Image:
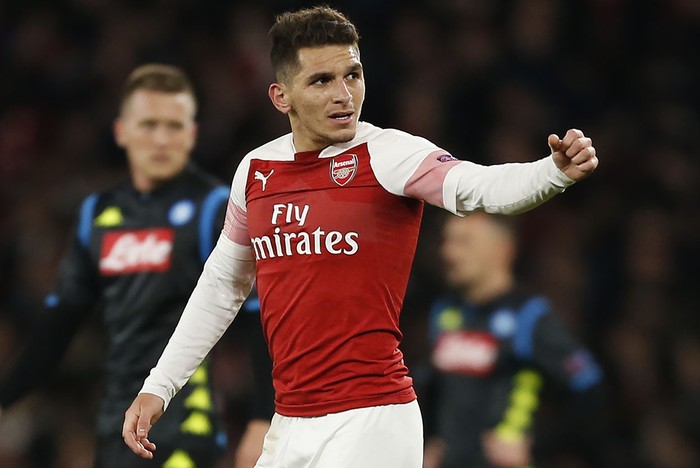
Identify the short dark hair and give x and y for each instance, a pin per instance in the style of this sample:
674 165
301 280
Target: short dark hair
309 27
157 77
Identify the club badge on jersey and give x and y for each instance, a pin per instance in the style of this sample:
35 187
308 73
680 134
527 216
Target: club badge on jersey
343 168
181 212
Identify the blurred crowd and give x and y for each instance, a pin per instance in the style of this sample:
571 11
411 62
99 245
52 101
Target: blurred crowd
488 80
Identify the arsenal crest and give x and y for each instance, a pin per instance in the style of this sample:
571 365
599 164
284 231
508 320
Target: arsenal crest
343 168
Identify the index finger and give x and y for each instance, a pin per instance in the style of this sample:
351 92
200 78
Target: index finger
571 136
129 435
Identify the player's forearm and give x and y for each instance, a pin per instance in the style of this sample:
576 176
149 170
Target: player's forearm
225 282
505 188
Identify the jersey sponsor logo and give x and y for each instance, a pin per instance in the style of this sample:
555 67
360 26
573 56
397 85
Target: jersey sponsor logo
125 252
110 217
343 169
181 212
283 243
263 178
466 352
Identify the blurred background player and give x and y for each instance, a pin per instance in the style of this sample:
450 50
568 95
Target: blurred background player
137 252
493 347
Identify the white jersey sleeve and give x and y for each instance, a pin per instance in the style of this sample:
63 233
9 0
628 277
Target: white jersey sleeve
412 166
397 156
504 188
239 183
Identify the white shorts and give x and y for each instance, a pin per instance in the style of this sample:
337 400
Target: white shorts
389 436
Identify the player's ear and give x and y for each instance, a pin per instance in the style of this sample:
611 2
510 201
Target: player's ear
278 96
194 132
118 131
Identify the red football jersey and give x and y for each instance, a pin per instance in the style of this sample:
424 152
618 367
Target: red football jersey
334 249
332 235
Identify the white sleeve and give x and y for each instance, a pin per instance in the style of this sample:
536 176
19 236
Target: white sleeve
225 282
503 188
238 184
395 156
407 165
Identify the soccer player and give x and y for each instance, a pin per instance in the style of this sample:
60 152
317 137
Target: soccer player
326 219
494 346
137 253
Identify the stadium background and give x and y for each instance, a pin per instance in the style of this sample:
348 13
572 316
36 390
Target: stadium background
488 80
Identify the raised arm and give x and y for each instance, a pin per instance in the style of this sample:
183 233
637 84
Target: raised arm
416 168
518 187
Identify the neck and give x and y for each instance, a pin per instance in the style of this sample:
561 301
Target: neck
302 145
142 186
145 184
490 289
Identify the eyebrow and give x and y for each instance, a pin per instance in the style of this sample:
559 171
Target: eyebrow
317 76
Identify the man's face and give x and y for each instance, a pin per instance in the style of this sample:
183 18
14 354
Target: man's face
325 96
157 131
473 250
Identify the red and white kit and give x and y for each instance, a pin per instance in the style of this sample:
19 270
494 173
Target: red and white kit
330 237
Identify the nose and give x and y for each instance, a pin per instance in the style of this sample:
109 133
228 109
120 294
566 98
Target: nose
342 92
161 135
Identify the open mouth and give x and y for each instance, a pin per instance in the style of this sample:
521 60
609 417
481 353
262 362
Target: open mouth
342 116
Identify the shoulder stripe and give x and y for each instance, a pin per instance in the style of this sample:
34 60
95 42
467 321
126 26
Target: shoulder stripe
206 220
528 317
87 214
428 181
